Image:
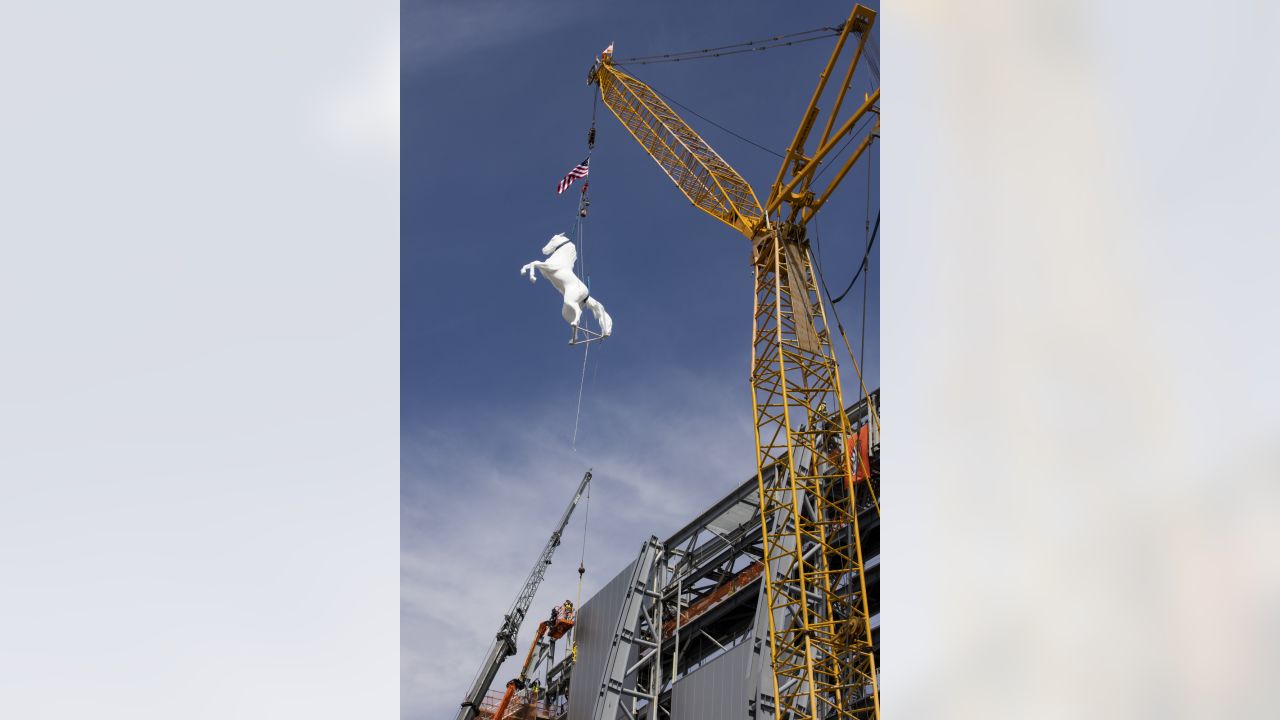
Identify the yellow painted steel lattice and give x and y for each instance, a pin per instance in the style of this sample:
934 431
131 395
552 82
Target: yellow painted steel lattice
702 175
819 618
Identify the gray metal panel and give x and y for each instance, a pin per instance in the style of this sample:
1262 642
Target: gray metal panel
593 630
718 690
735 517
761 664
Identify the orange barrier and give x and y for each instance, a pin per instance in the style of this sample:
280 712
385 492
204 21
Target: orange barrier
860 453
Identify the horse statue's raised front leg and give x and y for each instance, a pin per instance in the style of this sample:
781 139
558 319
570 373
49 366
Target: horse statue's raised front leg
531 269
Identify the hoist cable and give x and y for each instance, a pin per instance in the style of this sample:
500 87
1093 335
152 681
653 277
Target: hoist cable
857 369
862 347
582 261
866 285
746 46
586 350
853 135
871 408
583 202
582 570
732 52
873 56
862 265
582 559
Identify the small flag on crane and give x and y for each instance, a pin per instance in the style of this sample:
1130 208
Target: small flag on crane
580 171
607 51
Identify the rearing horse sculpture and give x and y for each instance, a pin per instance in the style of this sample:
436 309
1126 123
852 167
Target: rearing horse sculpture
558 268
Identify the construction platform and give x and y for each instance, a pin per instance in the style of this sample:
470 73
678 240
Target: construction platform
519 709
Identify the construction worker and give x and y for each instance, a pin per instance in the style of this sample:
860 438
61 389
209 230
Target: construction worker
555 614
568 610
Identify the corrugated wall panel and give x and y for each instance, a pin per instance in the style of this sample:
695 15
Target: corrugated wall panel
597 619
717 690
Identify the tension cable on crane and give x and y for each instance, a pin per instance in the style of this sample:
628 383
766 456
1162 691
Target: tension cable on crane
873 233
871 239
674 101
863 264
734 49
857 369
866 285
873 57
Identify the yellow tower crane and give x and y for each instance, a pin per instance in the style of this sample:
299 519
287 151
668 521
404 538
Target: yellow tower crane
819 621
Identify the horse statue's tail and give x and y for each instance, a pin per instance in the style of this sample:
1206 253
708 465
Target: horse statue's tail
602 317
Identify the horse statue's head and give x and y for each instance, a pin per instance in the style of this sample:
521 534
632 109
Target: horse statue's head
556 241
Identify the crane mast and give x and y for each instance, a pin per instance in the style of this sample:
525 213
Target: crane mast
504 644
824 664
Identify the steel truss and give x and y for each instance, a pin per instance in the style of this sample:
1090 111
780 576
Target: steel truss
819 619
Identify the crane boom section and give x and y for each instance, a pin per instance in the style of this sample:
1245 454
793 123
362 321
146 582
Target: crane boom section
504 644
701 174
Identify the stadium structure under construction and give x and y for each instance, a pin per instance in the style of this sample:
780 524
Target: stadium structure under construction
682 632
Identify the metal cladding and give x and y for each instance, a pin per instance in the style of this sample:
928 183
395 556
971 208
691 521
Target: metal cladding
718 690
593 632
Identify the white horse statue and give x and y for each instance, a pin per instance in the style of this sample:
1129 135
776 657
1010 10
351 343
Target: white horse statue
558 268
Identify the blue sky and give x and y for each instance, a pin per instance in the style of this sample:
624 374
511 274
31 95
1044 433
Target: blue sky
494 110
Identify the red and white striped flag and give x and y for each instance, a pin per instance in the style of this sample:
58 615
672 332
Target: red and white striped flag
580 171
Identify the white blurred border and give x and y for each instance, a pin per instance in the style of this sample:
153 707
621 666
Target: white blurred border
199 377
1082 440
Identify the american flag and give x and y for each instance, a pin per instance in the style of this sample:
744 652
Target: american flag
579 171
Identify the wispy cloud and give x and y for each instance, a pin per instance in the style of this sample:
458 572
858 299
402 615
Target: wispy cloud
437 32
480 498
